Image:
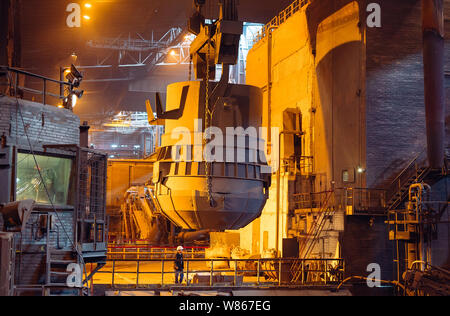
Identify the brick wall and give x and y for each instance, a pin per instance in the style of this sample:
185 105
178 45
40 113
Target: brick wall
44 124
30 262
396 130
64 221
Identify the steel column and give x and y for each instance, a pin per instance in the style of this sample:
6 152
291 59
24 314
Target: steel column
433 62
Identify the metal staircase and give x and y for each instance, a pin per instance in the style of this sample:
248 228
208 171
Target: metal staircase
57 262
313 236
402 187
417 171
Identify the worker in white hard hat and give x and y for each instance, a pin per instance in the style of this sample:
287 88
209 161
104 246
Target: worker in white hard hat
179 265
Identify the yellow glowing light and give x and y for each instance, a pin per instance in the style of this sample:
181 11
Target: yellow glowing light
117 124
172 53
86 17
67 71
88 5
60 106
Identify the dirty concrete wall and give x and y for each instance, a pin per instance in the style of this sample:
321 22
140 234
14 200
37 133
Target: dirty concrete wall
290 87
323 79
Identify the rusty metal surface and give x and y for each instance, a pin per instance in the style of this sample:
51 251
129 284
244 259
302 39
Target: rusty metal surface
16 214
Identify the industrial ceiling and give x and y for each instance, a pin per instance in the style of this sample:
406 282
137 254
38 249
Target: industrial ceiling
48 43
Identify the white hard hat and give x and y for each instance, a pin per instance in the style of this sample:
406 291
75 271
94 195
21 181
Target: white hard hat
180 248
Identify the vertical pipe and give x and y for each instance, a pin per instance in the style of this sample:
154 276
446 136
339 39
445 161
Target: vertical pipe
44 92
433 62
269 82
277 215
61 85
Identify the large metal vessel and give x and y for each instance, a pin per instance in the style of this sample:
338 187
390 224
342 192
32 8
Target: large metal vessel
211 171
222 193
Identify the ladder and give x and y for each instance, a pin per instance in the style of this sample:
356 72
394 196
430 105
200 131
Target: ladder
57 262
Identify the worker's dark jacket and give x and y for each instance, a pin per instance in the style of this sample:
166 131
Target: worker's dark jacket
179 263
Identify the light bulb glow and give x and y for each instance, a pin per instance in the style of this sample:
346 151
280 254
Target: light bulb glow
74 100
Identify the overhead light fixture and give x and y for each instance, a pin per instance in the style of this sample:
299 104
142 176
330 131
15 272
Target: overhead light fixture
78 93
86 17
74 76
88 5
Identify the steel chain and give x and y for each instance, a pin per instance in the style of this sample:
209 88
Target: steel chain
208 119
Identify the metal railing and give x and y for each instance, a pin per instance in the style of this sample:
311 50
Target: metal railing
284 15
303 165
13 87
312 200
233 272
356 200
413 171
364 200
144 252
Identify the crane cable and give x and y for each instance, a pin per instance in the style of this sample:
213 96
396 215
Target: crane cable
48 194
208 119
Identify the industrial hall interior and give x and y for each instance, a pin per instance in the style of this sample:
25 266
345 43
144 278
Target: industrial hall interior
224 148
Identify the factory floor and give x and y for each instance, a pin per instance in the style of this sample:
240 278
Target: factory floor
125 281
150 273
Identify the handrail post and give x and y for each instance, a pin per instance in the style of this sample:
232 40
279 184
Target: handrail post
137 274
187 272
162 272
279 272
235 272
258 271
211 273
303 272
113 273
